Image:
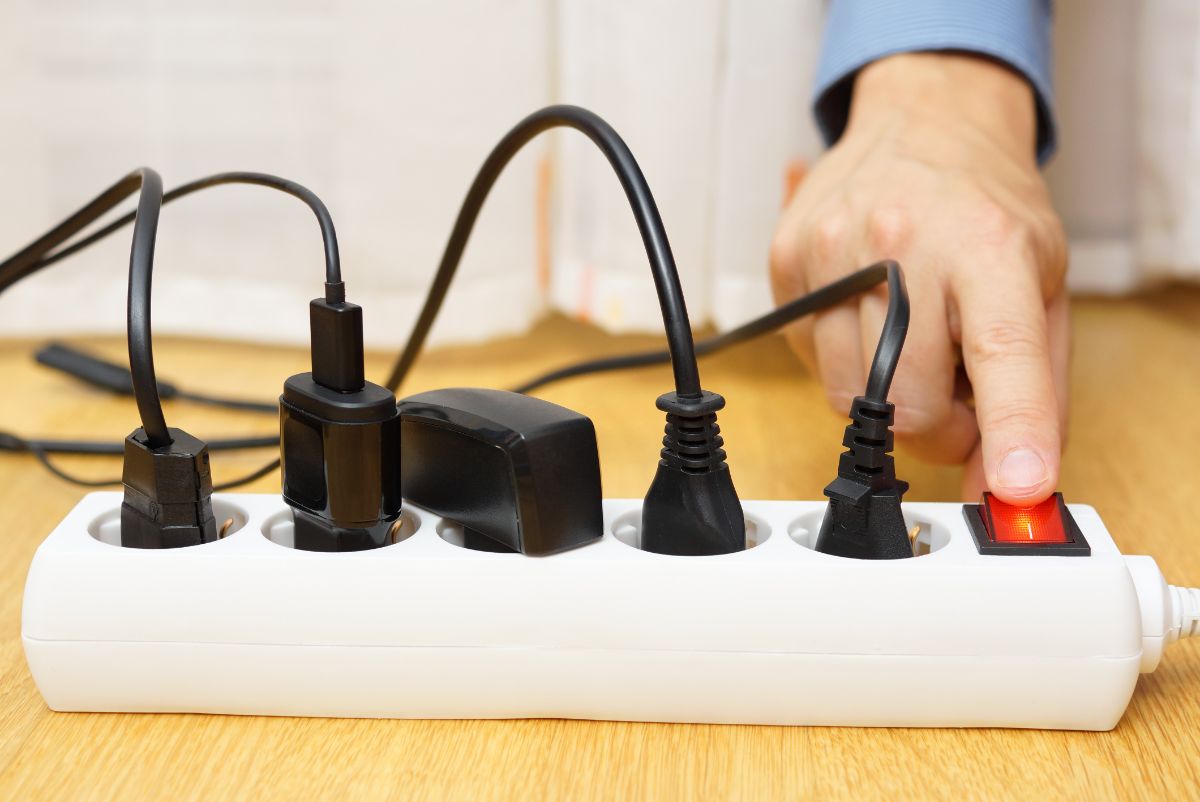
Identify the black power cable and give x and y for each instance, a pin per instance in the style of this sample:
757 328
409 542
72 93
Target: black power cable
682 351
826 297
141 340
41 254
822 298
891 338
148 185
86 366
645 212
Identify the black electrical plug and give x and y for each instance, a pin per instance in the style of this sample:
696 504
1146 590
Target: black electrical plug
168 493
863 519
339 439
691 507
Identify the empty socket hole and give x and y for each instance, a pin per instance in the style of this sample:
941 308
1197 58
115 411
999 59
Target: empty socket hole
927 538
627 528
106 527
456 534
280 528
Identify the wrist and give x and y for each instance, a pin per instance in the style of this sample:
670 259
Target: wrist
947 90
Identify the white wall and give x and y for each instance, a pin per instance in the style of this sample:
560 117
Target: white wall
387 108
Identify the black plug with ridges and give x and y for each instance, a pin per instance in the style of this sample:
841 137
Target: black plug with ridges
692 507
864 519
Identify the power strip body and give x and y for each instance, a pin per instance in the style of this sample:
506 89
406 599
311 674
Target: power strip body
423 628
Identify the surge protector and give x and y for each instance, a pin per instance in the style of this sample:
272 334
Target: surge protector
424 628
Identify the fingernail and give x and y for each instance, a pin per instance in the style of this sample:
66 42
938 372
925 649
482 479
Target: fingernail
1021 469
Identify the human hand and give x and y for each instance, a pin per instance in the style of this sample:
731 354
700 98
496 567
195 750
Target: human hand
936 169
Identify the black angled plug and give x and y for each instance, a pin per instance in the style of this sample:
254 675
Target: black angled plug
168 493
864 519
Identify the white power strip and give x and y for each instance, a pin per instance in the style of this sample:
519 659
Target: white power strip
777 634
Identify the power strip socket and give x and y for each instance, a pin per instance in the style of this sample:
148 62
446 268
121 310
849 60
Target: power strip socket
424 628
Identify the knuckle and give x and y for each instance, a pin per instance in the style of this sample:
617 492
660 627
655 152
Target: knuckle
1054 244
994 226
1005 340
785 261
888 229
828 237
1016 415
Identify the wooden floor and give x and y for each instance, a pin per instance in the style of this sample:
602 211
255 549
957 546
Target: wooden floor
1134 455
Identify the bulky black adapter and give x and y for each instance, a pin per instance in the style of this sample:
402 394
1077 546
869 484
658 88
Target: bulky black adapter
168 493
692 507
339 439
519 473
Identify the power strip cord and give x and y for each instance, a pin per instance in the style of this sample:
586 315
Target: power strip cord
1185 612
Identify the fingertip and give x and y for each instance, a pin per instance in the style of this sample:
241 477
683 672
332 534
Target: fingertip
1023 476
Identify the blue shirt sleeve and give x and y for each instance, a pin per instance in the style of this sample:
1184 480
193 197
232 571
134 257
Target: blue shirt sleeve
857 32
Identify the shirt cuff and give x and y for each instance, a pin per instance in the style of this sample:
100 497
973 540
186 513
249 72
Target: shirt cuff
858 32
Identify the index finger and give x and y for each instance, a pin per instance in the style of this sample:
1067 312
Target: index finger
1006 352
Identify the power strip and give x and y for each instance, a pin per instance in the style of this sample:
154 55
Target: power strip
424 628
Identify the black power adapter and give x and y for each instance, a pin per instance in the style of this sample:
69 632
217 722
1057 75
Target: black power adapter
518 473
339 439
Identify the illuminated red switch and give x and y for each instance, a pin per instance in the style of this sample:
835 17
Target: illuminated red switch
1045 528
1006 523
